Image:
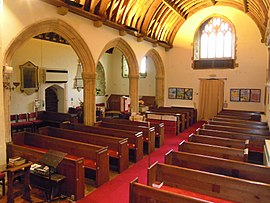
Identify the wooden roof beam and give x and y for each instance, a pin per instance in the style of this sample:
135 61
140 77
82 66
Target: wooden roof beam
167 3
245 3
214 2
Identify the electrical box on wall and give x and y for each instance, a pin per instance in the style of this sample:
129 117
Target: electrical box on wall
56 76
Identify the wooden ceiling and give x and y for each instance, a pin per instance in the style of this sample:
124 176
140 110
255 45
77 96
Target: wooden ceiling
156 21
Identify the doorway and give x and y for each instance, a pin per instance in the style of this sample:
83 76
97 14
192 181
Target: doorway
51 99
211 98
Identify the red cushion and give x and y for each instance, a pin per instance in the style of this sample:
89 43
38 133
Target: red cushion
90 164
113 153
37 121
2 175
131 146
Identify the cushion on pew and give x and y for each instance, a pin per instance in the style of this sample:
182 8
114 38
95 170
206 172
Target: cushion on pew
194 194
113 153
131 146
90 164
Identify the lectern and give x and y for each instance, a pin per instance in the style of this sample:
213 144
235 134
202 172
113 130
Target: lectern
52 159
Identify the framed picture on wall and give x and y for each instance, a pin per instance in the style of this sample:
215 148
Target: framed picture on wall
188 93
244 95
235 95
180 93
255 95
172 93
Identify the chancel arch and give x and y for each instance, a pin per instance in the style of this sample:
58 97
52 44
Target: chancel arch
81 49
133 67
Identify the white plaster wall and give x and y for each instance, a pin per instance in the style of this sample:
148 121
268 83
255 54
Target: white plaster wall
147 85
251 56
46 55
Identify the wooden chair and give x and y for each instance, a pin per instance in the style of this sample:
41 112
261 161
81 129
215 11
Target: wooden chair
23 122
32 117
2 182
13 120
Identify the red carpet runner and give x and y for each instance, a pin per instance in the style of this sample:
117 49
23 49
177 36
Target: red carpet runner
117 189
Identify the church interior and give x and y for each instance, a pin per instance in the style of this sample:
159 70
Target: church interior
134 101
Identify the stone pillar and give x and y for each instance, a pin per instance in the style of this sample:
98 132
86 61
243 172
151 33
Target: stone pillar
160 90
133 93
89 104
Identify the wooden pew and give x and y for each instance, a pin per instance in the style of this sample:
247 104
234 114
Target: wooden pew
237 169
243 116
117 147
71 167
139 193
251 123
188 116
96 159
181 119
213 150
213 185
191 110
54 118
254 115
148 133
159 128
240 125
256 142
237 129
135 139
225 142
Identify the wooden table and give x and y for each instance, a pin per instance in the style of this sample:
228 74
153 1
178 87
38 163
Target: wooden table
15 172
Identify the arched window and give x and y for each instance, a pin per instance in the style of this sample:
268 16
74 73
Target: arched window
214 44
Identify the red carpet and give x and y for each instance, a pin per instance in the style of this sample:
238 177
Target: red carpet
117 189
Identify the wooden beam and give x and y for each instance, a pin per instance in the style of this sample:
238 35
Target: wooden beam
214 2
167 3
245 4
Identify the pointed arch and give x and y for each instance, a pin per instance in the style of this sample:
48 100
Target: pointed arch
79 46
133 66
160 73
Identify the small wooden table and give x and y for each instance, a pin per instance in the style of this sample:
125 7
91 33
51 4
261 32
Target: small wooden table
15 172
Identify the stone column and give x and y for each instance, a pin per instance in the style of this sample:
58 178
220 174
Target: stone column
133 93
89 104
160 90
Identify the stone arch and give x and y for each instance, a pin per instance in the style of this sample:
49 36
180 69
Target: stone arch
125 48
160 73
79 46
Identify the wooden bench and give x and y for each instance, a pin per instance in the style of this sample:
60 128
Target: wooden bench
188 117
237 169
191 110
96 159
54 119
213 185
219 141
71 167
212 150
172 122
159 128
239 115
181 121
135 139
256 142
117 147
139 193
237 129
251 123
240 125
148 133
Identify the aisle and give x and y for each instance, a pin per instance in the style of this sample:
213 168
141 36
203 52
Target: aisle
117 189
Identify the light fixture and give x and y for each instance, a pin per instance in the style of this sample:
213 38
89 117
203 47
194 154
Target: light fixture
78 81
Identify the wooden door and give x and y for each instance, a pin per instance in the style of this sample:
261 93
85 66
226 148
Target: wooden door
51 99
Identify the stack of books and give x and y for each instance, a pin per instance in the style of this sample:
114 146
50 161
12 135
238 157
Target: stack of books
16 161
